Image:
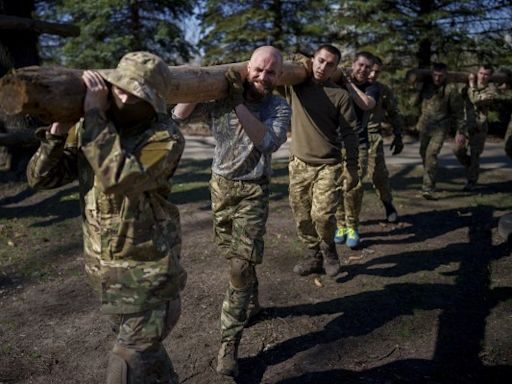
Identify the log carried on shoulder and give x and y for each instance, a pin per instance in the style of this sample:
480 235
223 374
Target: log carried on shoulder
56 93
420 75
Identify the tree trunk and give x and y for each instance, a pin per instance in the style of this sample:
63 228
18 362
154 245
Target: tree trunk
56 94
420 75
13 23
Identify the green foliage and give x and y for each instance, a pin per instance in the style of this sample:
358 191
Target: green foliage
233 29
414 33
111 28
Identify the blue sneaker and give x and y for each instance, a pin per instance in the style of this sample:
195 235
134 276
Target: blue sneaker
352 238
341 235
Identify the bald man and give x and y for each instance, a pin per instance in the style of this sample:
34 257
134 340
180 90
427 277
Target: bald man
248 126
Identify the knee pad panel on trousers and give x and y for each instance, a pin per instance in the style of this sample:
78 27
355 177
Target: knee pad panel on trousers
241 273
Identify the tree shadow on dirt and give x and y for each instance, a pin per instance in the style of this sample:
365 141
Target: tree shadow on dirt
461 327
55 208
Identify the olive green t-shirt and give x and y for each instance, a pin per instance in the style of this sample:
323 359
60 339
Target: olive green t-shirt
322 119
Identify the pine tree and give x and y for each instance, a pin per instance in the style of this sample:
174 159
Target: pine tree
417 32
111 28
233 29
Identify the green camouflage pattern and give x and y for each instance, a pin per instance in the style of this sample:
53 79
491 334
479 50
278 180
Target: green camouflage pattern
138 341
131 230
386 107
431 142
240 212
144 75
233 317
477 103
377 170
314 193
441 108
350 204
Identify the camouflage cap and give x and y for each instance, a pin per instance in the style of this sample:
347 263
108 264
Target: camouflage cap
144 75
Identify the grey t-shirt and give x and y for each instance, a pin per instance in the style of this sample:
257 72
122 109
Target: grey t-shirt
236 157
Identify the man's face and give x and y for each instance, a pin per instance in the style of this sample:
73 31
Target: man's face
125 97
263 72
374 73
361 69
324 65
438 77
483 76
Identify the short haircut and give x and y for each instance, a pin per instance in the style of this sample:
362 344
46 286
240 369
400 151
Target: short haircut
488 67
439 67
367 55
377 60
331 49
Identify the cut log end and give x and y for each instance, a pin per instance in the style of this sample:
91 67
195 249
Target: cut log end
13 95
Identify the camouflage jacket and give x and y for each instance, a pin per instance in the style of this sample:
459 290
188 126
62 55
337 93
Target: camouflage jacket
441 107
386 106
131 230
236 157
478 101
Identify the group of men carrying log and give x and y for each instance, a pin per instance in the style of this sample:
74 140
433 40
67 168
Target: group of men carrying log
126 148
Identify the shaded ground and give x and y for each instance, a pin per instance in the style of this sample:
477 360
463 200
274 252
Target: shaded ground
427 300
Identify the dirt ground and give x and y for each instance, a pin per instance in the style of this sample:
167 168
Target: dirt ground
426 300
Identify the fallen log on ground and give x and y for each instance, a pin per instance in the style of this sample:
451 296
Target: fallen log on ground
420 75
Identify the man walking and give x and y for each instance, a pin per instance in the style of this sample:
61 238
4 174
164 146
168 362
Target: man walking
323 118
365 96
479 95
387 106
441 105
123 153
248 126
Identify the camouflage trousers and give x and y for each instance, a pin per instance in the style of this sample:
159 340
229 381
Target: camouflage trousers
377 169
240 212
469 154
349 208
314 193
431 141
508 140
139 343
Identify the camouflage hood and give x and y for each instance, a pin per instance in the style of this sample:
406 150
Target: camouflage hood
144 75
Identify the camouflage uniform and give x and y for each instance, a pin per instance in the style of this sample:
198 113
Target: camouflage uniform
349 209
131 230
239 188
477 101
377 170
323 119
439 107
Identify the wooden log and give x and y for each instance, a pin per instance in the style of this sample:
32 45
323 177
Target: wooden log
56 93
421 75
38 26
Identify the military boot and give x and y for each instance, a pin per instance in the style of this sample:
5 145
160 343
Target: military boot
331 261
312 263
227 360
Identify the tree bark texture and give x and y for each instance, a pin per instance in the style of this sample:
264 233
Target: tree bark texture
56 94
